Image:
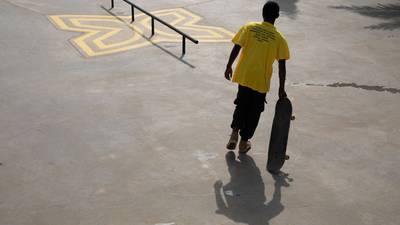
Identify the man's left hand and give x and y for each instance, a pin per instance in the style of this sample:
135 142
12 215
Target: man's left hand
228 73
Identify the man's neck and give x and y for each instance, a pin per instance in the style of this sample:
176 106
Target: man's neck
270 21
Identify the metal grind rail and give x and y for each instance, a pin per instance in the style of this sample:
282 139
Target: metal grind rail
153 19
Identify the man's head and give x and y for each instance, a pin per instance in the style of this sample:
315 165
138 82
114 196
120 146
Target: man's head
270 11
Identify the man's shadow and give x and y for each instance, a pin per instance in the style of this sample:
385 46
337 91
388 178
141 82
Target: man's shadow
243 199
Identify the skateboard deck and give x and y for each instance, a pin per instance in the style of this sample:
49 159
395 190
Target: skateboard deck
279 135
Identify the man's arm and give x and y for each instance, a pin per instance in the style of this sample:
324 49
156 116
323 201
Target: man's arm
232 58
282 78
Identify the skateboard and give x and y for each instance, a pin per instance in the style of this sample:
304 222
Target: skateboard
279 135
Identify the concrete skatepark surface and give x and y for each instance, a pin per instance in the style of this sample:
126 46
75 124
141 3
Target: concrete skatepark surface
137 135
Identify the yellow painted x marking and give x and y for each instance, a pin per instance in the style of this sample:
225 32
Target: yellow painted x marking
104 35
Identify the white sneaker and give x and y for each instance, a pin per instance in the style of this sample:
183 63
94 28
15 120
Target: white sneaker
233 140
244 146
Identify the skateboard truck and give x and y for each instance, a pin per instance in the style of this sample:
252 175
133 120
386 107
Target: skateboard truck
287 157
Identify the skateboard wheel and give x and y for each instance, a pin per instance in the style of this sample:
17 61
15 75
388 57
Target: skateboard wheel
292 118
287 157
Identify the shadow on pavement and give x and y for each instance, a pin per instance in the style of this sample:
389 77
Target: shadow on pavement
388 12
243 199
289 8
353 85
366 87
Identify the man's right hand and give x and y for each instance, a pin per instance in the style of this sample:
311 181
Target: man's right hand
282 93
228 73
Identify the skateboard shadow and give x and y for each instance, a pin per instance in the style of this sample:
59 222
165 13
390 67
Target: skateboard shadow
243 199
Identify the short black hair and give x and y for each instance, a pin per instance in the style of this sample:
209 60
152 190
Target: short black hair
271 10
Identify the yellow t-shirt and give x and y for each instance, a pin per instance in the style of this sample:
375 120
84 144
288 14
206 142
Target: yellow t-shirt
261 44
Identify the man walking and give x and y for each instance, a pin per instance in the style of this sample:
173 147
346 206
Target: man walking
261 44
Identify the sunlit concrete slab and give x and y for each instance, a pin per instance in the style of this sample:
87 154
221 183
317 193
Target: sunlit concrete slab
102 123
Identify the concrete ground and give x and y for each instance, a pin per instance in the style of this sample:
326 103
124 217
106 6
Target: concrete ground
106 131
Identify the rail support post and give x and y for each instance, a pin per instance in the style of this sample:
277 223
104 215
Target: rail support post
112 4
183 45
133 13
152 26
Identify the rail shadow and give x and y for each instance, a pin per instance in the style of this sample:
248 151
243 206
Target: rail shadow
389 12
243 199
179 58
